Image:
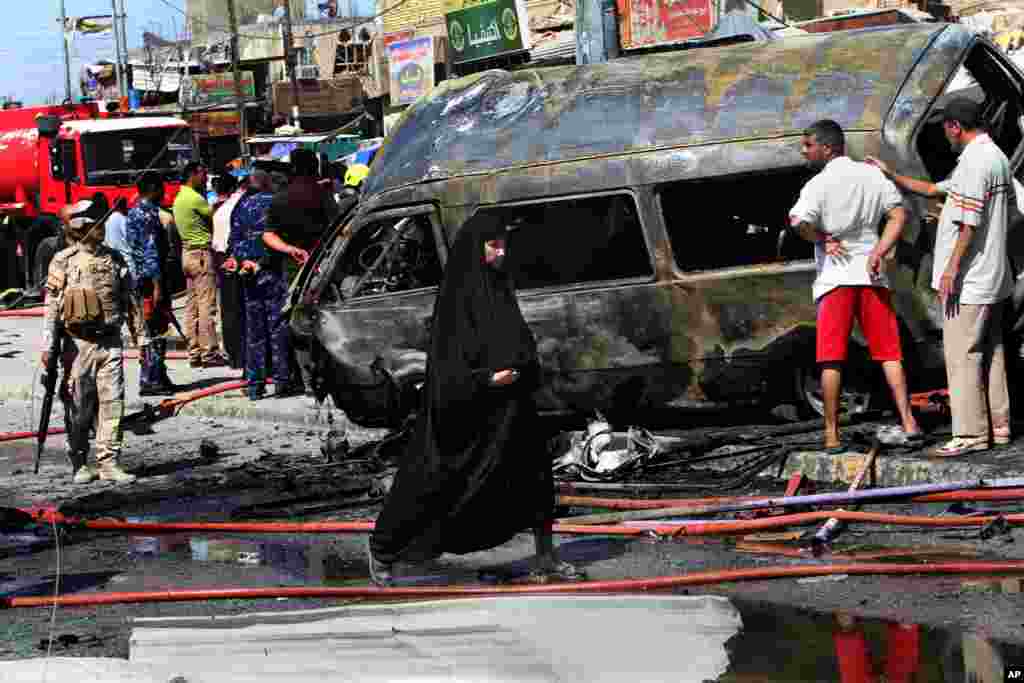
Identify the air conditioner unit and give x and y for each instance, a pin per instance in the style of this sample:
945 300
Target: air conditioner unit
308 72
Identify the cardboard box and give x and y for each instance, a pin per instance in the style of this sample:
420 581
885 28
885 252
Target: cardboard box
319 97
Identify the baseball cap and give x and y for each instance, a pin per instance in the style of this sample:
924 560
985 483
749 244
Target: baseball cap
962 109
86 213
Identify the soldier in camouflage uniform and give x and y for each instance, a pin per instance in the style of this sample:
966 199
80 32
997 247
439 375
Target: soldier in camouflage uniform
87 292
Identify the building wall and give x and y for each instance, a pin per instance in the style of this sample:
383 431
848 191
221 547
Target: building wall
426 17
204 14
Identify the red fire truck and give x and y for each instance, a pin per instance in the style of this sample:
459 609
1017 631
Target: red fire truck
55 155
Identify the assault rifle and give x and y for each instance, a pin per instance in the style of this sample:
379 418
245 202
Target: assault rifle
49 380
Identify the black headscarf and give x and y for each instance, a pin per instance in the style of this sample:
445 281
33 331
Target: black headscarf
478 328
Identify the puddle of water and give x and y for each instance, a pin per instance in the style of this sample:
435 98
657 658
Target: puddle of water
783 644
307 561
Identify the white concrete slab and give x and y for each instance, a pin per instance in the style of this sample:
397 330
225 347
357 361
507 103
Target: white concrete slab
79 670
592 639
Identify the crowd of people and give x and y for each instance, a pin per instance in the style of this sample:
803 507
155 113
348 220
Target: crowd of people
118 268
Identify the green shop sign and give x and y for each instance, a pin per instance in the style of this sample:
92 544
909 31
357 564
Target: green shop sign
484 28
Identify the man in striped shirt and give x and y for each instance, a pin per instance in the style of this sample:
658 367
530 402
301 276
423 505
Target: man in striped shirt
971 272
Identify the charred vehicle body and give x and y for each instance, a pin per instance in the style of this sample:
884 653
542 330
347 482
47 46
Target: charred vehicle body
647 200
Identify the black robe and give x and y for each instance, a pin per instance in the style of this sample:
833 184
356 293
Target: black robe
475 472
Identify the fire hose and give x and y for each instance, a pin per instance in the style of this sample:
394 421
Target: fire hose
150 413
35 312
667 528
974 495
704 578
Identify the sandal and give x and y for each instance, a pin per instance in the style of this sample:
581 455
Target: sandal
1001 436
960 445
380 572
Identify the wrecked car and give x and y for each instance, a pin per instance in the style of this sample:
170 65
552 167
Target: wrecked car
649 198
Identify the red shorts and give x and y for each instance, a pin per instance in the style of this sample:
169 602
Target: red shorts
872 308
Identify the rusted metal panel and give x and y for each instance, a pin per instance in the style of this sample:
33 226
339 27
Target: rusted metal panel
683 338
495 119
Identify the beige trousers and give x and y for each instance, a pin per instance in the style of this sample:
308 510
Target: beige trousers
972 338
201 308
97 388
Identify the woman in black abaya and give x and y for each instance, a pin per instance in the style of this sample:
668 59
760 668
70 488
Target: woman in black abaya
475 472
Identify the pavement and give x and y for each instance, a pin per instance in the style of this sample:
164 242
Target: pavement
21 345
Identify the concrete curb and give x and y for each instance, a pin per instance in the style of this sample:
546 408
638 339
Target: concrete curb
295 410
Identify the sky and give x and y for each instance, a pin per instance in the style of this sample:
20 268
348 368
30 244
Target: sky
32 48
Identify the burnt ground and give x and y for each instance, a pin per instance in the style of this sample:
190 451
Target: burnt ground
266 471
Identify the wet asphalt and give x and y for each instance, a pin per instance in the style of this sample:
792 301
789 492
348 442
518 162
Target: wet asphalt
800 614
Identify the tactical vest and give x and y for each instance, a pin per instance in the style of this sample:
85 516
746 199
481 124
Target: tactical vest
92 303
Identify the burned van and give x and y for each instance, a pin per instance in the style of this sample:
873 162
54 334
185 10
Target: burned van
649 200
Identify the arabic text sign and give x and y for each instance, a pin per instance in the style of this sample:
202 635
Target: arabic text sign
411 63
484 28
215 88
651 22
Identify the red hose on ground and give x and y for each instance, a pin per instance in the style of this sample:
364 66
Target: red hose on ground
710 528
17 436
617 586
35 312
654 504
165 408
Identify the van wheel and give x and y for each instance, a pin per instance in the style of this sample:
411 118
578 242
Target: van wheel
854 398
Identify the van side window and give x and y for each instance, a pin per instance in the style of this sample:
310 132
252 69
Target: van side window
984 79
572 241
390 255
734 221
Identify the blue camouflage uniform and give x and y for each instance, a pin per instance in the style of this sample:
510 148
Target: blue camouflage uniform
265 295
144 235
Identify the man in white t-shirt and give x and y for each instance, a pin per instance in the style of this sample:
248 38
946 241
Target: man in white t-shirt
971 273
840 210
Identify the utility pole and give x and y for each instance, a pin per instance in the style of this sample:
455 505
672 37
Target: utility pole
239 102
64 47
122 91
289 60
124 33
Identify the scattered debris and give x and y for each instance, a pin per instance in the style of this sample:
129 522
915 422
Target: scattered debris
830 578
997 527
208 450
600 454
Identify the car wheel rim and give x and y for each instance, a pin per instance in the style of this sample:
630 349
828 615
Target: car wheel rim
852 400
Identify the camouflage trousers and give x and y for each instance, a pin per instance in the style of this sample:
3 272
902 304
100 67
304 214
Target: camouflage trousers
266 329
96 385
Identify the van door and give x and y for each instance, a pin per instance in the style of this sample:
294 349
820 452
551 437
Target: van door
585 280
988 77
741 309
374 313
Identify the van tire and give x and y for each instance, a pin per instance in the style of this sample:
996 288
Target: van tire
811 403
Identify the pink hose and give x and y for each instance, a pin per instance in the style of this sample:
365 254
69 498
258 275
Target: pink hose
618 586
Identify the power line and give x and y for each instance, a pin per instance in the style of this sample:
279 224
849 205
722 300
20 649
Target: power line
226 29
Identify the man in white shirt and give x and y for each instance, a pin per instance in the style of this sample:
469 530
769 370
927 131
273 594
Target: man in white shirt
972 275
116 237
840 210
